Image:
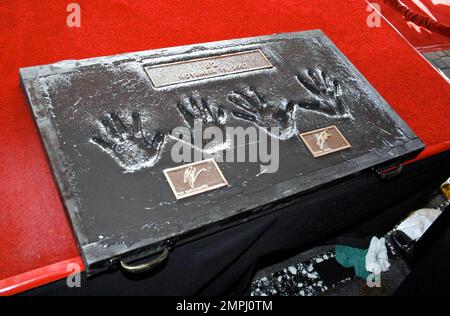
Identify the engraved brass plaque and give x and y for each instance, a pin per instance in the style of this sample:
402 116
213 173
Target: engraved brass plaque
324 141
195 178
204 68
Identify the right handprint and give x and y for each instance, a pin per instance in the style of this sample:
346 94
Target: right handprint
325 93
253 108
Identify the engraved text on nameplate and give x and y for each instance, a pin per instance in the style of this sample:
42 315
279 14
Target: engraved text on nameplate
209 67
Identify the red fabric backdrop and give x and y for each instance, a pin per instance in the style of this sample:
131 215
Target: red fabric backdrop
34 229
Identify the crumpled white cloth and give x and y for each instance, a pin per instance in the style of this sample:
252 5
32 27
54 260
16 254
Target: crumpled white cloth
377 260
418 222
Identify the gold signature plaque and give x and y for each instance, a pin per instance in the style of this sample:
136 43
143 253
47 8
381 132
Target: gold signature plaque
195 178
324 141
209 67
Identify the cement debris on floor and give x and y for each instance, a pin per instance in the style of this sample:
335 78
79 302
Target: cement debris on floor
316 272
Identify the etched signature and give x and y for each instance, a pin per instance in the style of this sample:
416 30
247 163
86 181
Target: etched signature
321 139
191 175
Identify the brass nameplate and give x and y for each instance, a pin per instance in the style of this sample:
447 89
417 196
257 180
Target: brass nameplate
324 141
195 178
204 68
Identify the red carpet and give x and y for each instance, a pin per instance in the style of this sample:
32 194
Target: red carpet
34 229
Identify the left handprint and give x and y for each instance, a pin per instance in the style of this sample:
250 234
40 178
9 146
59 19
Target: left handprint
129 144
200 115
197 108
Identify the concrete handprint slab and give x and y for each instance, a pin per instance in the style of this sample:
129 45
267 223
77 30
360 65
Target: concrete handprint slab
107 126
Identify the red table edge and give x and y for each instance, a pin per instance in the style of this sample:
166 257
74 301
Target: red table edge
34 278
431 151
59 270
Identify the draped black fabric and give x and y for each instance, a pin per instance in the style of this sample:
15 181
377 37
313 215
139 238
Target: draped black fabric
223 263
431 275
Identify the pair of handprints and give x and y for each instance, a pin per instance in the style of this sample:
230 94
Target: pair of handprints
324 97
131 145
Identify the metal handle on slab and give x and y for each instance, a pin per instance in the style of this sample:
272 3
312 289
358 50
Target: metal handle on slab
139 268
